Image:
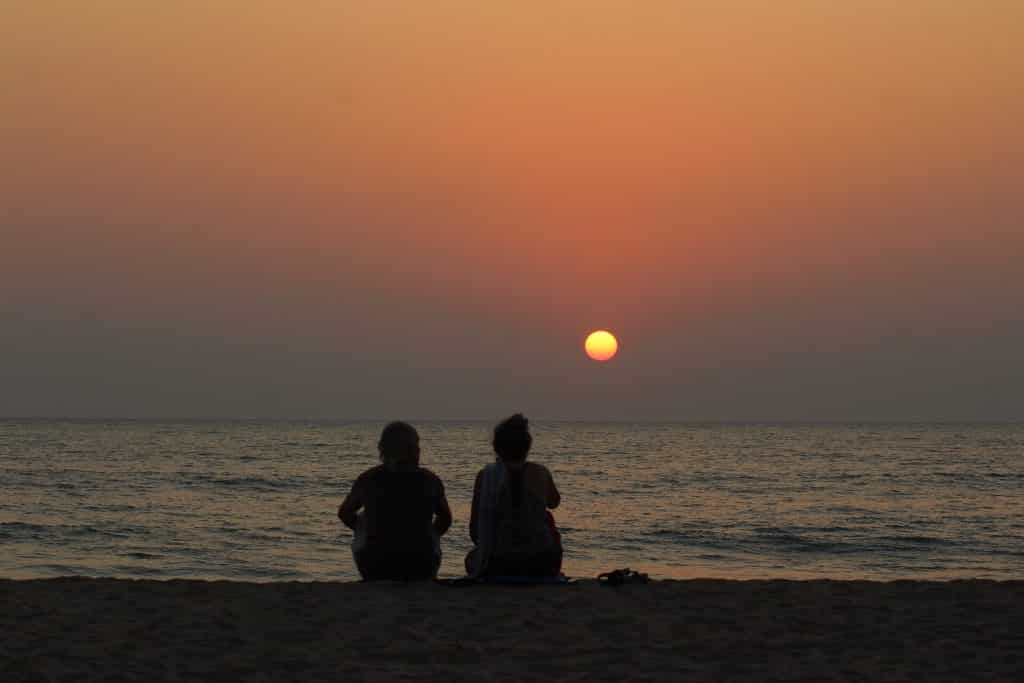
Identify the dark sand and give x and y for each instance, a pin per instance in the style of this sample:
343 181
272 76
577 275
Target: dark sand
81 629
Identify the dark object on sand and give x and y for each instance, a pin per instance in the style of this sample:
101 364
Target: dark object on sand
619 577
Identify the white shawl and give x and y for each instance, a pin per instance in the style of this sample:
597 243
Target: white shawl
491 481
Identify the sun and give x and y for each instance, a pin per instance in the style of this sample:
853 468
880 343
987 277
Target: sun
601 345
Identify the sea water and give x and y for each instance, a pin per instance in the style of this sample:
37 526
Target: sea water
257 500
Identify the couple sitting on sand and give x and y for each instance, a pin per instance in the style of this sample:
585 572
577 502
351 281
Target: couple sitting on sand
405 512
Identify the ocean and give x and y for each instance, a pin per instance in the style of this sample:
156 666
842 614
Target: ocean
257 500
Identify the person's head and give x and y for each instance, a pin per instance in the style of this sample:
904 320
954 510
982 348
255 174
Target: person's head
399 445
512 439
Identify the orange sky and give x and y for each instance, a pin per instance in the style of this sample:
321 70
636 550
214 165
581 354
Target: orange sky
322 177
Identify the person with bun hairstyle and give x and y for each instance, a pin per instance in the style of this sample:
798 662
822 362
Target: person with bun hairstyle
514 533
405 512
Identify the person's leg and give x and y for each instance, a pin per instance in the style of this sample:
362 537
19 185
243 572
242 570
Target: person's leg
369 565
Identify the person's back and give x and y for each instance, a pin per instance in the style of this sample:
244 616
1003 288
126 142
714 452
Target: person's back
524 540
399 508
514 532
404 512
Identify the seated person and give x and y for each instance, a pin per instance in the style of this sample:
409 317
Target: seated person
405 512
514 533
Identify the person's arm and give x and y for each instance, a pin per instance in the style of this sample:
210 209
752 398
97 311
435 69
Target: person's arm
348 511
474 511
553 497
443 513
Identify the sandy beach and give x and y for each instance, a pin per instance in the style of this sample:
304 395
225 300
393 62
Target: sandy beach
702 630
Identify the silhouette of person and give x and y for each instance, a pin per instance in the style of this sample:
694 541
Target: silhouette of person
405 512
514 533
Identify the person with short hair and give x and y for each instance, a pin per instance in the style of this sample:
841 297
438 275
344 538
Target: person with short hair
404 512
514 533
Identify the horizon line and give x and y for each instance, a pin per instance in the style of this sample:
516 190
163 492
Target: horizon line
708 420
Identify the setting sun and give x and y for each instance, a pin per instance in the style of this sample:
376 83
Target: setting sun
601 345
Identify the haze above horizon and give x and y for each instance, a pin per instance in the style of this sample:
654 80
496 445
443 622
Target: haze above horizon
799 212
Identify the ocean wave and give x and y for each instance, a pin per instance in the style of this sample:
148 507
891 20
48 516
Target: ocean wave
61 569
23 531
902 541
50 533
826 539
135 570
106 531
139 555
255 483
233 484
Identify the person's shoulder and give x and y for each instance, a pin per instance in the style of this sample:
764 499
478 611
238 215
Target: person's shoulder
485 471
429 474
371 473
432 480
538 467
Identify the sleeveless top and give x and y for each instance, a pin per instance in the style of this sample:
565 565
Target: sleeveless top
400 506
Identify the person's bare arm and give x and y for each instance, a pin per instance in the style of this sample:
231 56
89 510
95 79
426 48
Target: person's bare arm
443 513
474 511
348 511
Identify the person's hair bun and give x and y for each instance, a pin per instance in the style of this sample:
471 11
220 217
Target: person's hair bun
518 422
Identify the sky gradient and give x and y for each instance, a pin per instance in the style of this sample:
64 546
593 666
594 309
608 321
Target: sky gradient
796 210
